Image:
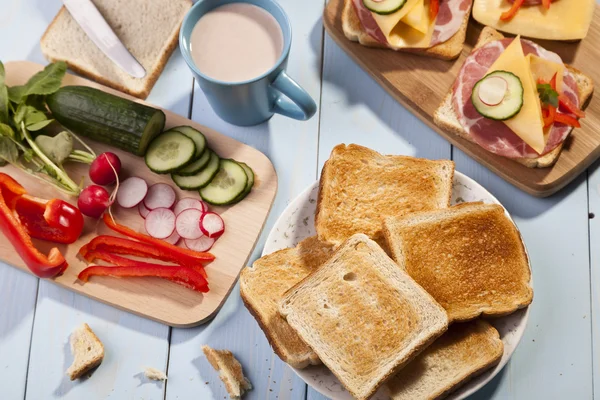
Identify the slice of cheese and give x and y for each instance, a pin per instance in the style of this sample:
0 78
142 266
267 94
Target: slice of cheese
401 35
416 17
528 123
545 70
565 20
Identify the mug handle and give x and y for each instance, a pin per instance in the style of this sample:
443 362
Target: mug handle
301 106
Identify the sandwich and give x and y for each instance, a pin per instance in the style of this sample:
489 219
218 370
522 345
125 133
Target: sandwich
435 28
359 186
263 286
515 99
541 19
469 257
363 316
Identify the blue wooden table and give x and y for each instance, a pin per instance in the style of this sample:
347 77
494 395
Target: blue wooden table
557 358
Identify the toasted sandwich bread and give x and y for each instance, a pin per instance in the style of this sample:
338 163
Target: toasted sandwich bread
263 286
470 258
463 352
448 50
363 316
230 371
87 350
445 117
359 187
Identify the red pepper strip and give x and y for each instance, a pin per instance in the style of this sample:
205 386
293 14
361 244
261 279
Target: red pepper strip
161 244
546 4
434 8
567 120
183 276
41 265
568 104
507 15
549 115
53 220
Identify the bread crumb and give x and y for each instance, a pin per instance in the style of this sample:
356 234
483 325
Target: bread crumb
154 374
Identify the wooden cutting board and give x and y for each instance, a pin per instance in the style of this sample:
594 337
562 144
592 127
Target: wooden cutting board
154 298
420 83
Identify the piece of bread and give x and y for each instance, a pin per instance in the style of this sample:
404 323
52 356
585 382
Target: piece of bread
87 350
148 28
470 258
445 117
230 371
363 316
359 187
263 286
154 374
448 50
463 352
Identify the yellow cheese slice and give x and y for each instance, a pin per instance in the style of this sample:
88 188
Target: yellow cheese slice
528 123
545 70
416 17
401 35
565 20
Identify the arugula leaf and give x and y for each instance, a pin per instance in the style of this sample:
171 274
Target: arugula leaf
3 97
547 95
44 82
39 125
56 148
6 130
8 151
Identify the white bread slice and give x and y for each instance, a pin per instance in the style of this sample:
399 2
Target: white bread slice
470 258
446 118
447 50
463 352
230 371
87 350
148 28
363 316
263 286
359 187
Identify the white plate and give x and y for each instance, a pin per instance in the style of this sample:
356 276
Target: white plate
297 223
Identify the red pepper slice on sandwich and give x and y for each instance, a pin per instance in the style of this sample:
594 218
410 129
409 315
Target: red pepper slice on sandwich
512 11
434 8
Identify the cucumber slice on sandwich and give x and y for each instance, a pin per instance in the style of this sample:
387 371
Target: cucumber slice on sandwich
384 7
498 95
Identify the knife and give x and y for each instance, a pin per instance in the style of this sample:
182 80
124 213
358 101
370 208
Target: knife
95 26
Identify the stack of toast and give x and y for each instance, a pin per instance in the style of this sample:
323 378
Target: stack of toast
394 289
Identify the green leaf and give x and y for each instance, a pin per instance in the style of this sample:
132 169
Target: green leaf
8 150
44 82
547 95
3 97
6 130
56 148
29 114
39 125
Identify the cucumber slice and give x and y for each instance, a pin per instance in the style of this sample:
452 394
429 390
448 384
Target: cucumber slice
489 101
195 135
384 7
249 184
200 179
227 185
169 152
196 166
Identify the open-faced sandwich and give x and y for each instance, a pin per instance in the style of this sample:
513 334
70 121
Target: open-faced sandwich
515 99
435 28
541 19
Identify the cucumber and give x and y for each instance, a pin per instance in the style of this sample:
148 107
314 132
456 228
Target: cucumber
202 178
504 94
229 182
384 7
195 135
249 184
169 152
106 118
196 166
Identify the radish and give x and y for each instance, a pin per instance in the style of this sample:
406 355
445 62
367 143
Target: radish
131 192
173 239
212 225
143 210
187 224
189 202
105 169
160 223
93 201
160 195
204 243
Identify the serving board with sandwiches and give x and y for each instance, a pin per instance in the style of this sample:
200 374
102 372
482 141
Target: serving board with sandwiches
392 278
520 106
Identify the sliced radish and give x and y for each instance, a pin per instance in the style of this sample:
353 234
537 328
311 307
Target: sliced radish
173 239
143 210
187 203
492 90
203 243
212 225
131 192
160 195
187 224
160 223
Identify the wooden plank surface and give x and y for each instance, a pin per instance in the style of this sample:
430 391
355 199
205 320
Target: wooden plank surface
420 84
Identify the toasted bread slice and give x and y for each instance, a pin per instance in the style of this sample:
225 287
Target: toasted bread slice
263 286
448 50
87 350
359 187
230 371
445 117
470 258
463 352
363 316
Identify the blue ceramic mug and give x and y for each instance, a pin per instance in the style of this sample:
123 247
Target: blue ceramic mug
255 100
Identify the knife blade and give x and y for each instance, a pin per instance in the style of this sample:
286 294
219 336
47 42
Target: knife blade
85 13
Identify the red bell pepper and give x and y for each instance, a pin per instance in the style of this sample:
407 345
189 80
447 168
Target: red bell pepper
568 104
548 113
183 276
546 4
434 8
567 120
507 15
53 220
41 265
